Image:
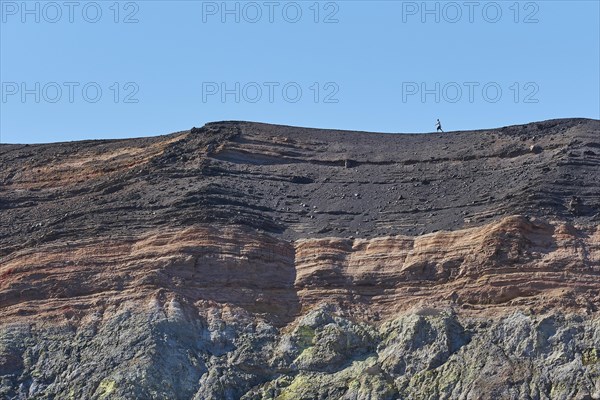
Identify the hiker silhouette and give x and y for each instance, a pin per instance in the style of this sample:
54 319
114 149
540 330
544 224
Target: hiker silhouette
438 126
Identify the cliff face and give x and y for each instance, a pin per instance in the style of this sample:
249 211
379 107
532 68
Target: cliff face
245 260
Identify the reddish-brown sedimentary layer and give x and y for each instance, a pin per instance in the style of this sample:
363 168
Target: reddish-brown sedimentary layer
513 262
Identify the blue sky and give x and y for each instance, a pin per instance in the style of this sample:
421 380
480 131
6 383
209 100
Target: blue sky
108 69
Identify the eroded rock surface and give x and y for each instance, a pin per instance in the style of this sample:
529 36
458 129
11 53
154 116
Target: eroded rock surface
252 261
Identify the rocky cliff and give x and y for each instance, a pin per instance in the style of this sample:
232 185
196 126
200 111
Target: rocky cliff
251 261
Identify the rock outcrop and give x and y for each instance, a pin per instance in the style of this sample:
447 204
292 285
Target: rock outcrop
252 261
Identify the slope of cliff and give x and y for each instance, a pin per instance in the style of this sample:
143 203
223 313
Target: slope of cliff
246 260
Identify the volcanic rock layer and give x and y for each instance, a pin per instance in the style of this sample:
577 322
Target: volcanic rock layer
254 261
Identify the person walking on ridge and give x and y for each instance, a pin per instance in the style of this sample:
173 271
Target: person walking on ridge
438 126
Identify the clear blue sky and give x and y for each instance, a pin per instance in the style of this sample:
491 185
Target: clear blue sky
166 69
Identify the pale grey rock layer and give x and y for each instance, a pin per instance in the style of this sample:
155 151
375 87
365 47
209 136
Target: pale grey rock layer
174 351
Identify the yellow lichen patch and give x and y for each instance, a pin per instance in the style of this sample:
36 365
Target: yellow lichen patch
295 389
106 387
590 356
305 336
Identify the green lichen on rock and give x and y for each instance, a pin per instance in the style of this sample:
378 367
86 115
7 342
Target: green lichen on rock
360 380
590 356
106 388
322 355
304 336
